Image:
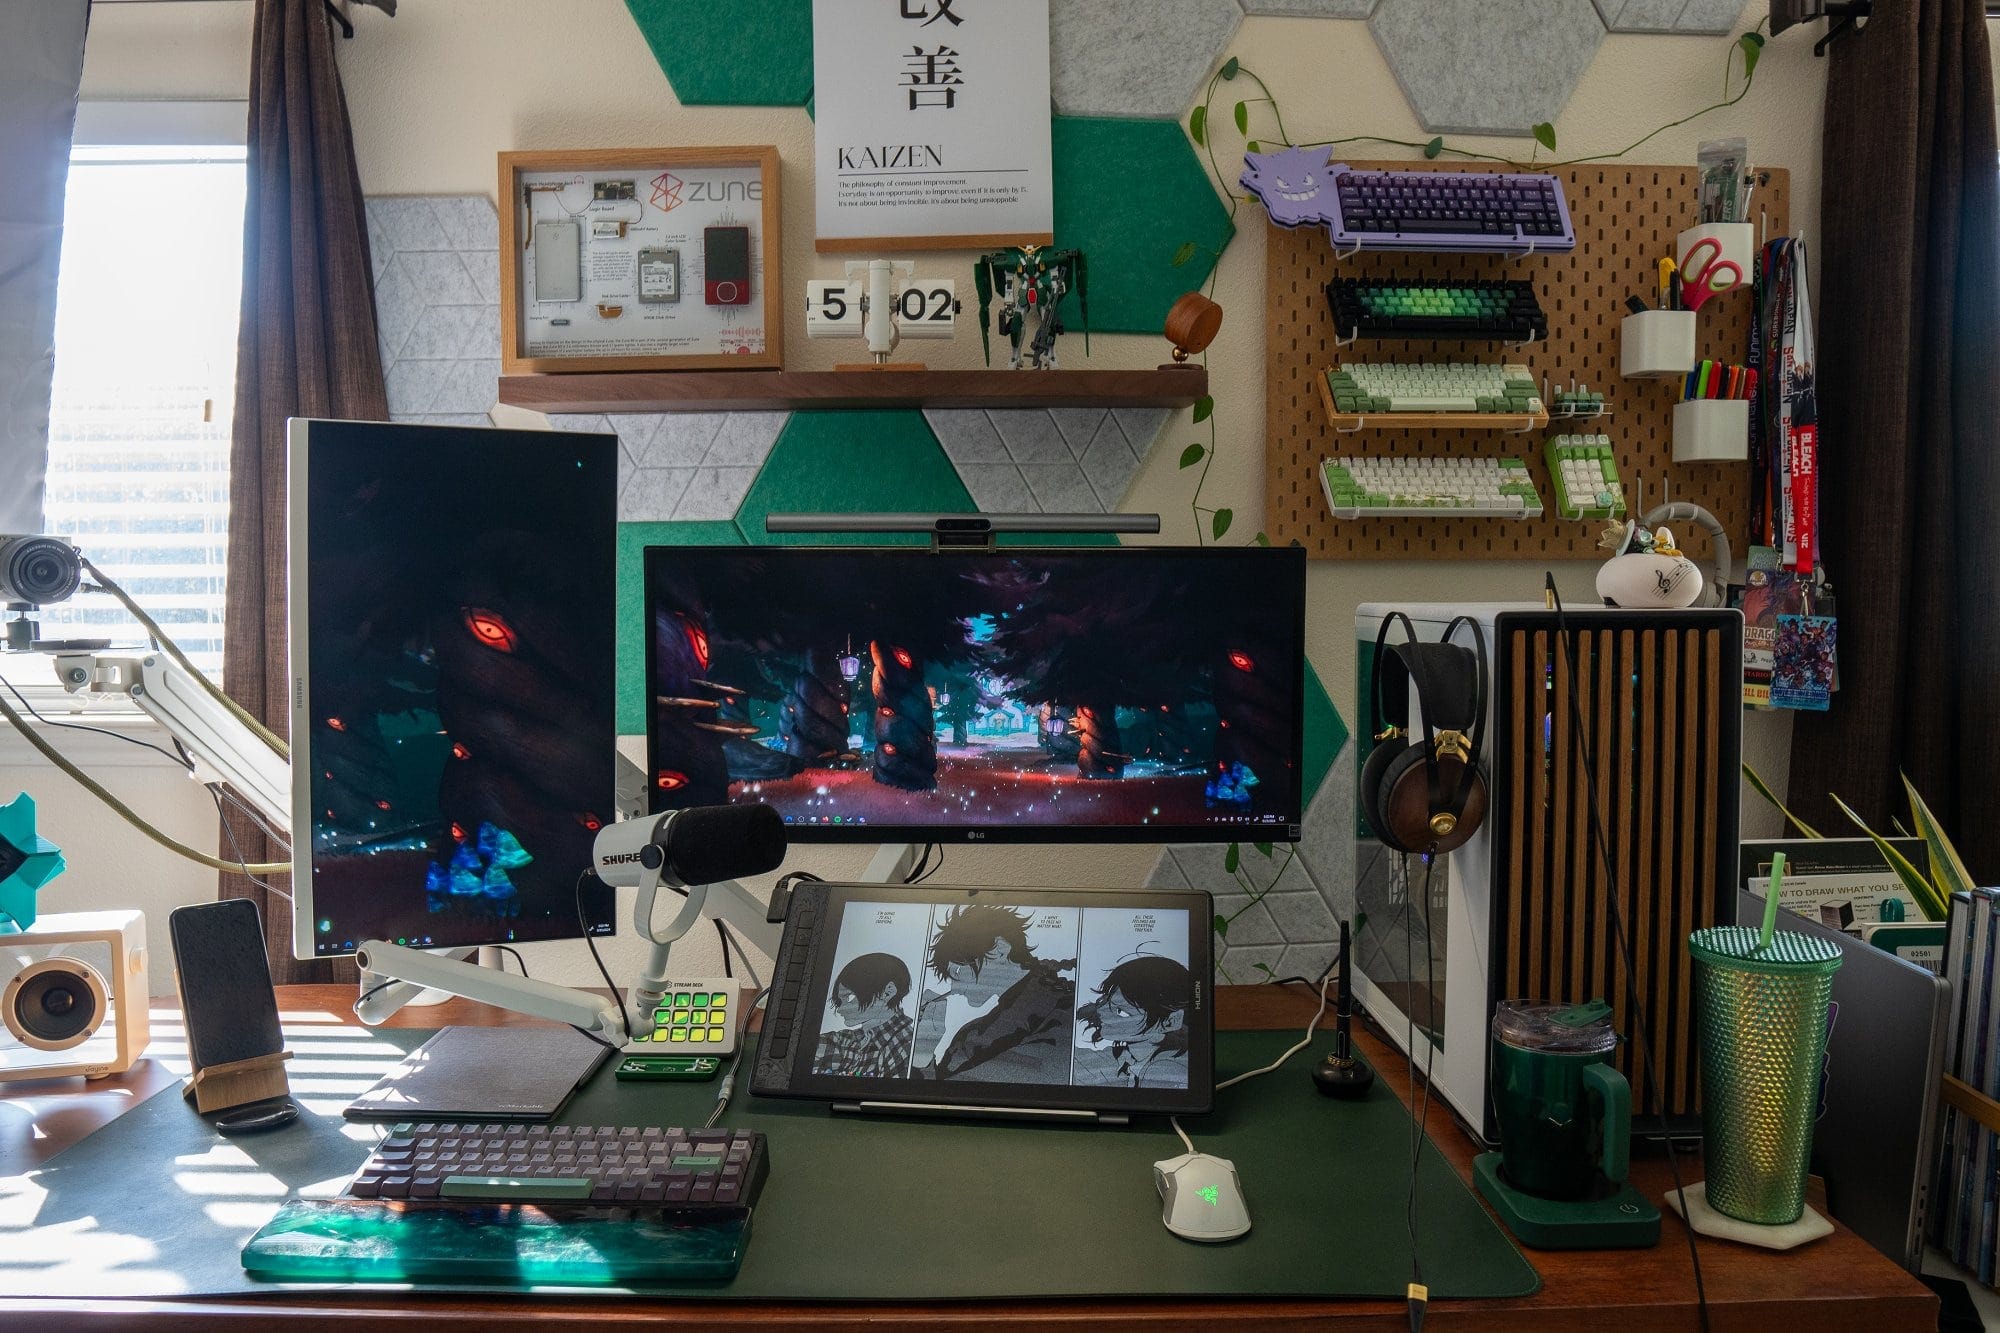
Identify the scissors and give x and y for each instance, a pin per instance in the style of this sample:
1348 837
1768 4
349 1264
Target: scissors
1706 277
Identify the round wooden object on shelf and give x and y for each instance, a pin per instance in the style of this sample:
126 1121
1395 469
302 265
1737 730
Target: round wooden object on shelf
1192 324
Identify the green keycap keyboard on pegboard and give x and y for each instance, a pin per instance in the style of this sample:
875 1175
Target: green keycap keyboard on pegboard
1408 487
694 1018
1362 388
1585 476
1397 308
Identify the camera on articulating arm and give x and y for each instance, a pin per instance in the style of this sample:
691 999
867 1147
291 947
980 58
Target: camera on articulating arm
35 571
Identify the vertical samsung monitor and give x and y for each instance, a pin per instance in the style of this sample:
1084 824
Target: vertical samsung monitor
451 623
1029 694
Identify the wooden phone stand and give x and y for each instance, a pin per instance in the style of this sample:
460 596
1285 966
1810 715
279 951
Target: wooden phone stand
238 1083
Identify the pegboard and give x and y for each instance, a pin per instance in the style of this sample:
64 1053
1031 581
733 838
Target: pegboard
1626 219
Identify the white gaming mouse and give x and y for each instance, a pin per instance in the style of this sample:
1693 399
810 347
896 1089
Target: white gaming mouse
1202 1198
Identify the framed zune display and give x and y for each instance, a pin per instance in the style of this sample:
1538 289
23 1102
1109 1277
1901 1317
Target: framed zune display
639 259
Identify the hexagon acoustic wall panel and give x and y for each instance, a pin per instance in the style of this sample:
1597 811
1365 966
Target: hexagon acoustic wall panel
1473 67
689 465
1708 17
1129 194
731 52
1073 460
1284 909
1134 57
437 305
1323 9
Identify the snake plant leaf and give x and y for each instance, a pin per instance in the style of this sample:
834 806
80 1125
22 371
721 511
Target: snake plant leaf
1763 789
1946 867
1921 889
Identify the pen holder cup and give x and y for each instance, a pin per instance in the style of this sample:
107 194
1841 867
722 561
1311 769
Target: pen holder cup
1712 430
1656 344
1737 239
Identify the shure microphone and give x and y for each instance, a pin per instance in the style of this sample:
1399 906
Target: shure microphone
703 845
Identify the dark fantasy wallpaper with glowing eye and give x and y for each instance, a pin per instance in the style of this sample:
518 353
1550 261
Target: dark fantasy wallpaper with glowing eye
460 675
1013 695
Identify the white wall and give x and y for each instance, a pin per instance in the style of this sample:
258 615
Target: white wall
437 91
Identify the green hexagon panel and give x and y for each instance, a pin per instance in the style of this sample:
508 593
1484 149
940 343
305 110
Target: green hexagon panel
1326 735
731 52
1129 194
849 463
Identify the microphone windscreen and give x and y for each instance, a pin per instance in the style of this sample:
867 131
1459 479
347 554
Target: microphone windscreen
712 843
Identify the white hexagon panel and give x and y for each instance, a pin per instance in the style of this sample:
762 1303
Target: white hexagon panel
1032 460
1713 18
1134 57
1477 67
437 305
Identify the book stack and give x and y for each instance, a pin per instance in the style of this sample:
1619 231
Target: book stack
1967 1197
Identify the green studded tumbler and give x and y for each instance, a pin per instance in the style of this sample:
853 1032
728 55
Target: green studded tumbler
1761 1018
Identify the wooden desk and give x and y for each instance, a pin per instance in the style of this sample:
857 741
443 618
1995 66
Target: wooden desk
1839 1283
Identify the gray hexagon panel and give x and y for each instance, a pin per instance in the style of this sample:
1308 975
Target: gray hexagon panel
1283 910
1321 9
1476 67
437 305
684 466
1702 17
1134 57
1065 460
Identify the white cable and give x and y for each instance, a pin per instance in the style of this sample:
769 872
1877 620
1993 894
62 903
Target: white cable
1296 1047
1301 1044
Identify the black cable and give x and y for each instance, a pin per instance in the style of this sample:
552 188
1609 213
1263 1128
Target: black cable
235 847
101 731
722 934
1645 1047
624 1018
519 961
1419 1294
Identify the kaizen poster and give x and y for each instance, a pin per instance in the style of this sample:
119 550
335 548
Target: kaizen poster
931 124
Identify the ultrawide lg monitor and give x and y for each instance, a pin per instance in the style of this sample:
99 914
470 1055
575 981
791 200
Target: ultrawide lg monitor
1030 694
452 626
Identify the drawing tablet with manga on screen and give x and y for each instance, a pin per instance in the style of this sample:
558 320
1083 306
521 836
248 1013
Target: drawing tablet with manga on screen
1027 999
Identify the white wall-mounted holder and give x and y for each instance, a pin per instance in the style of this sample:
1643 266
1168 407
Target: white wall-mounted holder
1712 430
1656 344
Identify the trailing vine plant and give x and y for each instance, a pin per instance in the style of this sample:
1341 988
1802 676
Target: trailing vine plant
1212 523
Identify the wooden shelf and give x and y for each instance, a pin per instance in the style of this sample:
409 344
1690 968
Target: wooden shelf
777 390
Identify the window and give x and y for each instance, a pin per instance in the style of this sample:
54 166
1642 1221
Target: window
145 368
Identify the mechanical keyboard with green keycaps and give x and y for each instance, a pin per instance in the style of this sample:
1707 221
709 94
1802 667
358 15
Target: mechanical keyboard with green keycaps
1429 487
1415 390
449 1162
1412 308
1585 476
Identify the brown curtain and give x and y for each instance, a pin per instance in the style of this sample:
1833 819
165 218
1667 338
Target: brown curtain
306 348
1909 408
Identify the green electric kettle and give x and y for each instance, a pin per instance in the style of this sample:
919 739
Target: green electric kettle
1565 1118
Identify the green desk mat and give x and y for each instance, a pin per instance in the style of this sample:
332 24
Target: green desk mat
856 1208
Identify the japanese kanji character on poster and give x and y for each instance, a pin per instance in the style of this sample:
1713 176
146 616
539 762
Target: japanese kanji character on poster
931 124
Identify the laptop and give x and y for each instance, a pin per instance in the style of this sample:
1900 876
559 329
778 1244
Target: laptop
1877 1129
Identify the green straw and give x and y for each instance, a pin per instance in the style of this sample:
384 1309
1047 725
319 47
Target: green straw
1771 902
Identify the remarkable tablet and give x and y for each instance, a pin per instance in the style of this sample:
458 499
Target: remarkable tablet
993 999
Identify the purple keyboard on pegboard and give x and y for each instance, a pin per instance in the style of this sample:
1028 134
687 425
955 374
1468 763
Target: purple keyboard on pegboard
1448 211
